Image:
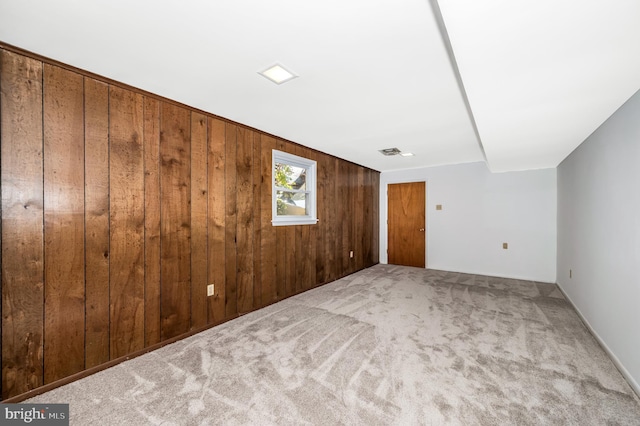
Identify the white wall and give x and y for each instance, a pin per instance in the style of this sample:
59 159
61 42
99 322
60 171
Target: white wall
480 211
599 234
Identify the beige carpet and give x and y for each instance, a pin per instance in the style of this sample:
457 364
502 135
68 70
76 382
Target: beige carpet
387 345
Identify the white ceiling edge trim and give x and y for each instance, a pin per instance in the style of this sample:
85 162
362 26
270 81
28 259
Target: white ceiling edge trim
437 14
542 75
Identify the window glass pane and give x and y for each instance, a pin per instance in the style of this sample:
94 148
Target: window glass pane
290 177
291 203
294 190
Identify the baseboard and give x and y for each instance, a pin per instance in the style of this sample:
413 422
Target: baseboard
625 373
93 370
112 363
492 274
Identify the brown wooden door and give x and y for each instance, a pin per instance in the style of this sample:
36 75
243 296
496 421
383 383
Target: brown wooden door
406 224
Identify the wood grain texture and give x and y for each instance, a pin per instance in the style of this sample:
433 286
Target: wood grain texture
96 213
406 238
324 203
299 261
257 229
281 262
22 217
244 230
126 200
63 223
291 248
216 219
268 240
175 220
310 235
282 288
292 285
199 201
331 239
367 221
301 244
375 208
356 213
152 276
359 216
231 302
342 220
320 236
174 199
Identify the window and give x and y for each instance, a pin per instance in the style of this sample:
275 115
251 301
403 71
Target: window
294 190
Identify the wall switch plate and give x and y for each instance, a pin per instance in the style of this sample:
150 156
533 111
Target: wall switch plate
505 245
210 290
438 206
351 254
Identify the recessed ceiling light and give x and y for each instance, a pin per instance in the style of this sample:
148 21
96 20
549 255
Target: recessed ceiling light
406 154
278 74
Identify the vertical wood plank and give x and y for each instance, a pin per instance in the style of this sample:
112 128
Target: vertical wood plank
302 238
309 234
332 201
22 217
244 231
367 228
268 240
375 211
96 211
300 284
343 219
126 200
359 215
63 223
291 285
353 216
282 287
151 221
257 229
175 220
301 244
216 218
291 246
321 235
199 198
231 303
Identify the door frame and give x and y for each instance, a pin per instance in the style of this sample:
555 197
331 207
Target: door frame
384 225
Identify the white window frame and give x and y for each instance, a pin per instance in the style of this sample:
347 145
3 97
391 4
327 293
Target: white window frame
305 163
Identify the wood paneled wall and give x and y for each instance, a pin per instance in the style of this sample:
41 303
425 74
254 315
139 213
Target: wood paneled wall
119 207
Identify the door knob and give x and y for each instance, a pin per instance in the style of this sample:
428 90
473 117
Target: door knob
421 229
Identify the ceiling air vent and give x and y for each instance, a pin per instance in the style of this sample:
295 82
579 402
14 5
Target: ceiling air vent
390 151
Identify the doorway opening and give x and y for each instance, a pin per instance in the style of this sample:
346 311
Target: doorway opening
406 224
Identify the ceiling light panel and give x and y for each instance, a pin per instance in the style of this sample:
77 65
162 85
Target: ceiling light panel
278 74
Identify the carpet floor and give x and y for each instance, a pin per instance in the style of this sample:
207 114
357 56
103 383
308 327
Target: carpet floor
388 345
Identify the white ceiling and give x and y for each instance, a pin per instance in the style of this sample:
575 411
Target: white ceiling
534 77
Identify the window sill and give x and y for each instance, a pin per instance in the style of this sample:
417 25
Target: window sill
286 222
